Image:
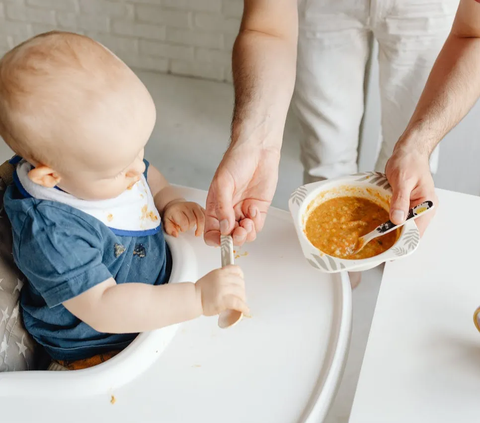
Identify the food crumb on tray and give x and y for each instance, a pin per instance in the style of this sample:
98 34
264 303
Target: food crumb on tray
239 254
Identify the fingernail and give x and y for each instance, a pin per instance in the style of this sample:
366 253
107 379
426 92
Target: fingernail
238 239
224 226
253 211
398 216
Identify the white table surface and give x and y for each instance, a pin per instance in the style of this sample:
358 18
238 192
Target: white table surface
422 362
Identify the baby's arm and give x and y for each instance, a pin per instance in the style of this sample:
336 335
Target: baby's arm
138 307
163 193
178 215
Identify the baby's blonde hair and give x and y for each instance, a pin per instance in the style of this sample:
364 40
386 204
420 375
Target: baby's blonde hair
46 86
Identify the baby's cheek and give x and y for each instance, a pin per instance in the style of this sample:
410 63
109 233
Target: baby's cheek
107 190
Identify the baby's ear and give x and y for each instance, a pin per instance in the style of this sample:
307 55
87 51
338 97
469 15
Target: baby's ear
44 176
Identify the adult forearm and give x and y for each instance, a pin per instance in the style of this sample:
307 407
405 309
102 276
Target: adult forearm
452 89
264 77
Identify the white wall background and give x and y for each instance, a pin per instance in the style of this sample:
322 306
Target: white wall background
183 37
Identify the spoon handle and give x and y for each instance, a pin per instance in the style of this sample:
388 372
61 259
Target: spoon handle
228 317
226 248
413 213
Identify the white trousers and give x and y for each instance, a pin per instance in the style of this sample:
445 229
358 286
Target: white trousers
334 48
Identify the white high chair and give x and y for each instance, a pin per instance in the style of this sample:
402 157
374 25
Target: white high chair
282 365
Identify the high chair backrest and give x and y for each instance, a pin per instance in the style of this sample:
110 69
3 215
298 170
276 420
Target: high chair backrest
6 174
17 348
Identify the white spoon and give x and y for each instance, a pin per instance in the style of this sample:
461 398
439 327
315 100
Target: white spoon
389 226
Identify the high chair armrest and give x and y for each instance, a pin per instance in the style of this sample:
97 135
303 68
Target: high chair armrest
6 173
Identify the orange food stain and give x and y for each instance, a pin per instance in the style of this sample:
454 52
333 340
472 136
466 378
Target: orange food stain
152 216
113 400
239 254
110 217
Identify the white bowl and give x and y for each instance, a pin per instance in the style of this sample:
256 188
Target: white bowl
370 185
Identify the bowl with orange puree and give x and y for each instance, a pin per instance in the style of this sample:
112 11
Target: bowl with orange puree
331 215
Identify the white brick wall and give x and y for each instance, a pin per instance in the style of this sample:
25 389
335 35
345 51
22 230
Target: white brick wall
185 37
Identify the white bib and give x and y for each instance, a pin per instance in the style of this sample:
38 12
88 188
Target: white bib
132 213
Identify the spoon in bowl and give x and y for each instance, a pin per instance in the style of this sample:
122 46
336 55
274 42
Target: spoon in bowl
389 226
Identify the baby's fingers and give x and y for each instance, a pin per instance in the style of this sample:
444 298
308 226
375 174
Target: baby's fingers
181 219
235 270
235 303
171 228
200 218
238 291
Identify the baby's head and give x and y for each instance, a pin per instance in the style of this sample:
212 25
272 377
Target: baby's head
77 113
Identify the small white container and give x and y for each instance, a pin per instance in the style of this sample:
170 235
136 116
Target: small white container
373 186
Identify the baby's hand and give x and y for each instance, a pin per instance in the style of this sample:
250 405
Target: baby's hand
181 216
223 289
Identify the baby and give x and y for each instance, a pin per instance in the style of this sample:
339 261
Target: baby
87 209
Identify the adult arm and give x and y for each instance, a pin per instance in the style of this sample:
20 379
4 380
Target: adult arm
451 90
264 63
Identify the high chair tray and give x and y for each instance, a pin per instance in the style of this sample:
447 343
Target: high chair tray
282 365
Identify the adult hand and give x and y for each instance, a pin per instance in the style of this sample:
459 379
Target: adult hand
241 193
409 175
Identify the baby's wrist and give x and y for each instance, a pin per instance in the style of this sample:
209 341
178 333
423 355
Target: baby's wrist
175 201
162 205
167 197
